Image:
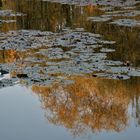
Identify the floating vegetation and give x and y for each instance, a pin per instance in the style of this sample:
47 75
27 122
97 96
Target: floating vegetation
122 16
99 19
47 57
43 57
127 22
7 21
10 13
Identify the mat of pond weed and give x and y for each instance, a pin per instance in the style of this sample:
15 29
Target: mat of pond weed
47 57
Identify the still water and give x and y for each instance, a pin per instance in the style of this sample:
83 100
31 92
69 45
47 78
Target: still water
69 70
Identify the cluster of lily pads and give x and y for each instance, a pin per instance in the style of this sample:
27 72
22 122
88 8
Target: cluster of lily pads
54 57
10 14
123 17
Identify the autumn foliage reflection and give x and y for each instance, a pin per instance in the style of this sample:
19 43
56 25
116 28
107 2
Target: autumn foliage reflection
8 56
88 104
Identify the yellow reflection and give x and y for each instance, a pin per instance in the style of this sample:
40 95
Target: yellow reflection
8 56
10 23
51 16
89 104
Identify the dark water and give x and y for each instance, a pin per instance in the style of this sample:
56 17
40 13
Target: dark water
69 71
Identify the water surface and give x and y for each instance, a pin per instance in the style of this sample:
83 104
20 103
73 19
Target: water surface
69 70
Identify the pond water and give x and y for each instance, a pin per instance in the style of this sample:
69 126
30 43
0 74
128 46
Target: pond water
69 69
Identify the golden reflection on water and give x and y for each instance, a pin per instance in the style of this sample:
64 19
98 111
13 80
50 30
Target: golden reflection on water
8 56
90 104
8 26
127 44
51 16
